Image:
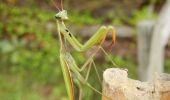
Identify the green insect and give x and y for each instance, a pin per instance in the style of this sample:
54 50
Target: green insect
68 64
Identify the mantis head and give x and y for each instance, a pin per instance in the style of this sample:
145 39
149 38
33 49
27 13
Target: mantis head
62 15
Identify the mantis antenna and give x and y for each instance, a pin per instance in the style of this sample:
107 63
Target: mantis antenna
55 5
61 4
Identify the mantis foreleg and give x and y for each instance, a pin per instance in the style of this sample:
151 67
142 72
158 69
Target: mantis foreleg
97 39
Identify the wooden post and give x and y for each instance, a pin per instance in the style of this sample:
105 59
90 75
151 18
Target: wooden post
161 33
151 44
144 37
117 86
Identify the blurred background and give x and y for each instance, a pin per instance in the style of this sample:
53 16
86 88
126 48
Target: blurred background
29 46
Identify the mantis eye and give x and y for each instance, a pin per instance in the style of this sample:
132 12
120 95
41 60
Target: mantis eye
57 17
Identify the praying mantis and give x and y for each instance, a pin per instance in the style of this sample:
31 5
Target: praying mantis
70 69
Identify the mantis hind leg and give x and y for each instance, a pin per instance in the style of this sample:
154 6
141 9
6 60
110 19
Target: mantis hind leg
107 55
79 79
80 96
